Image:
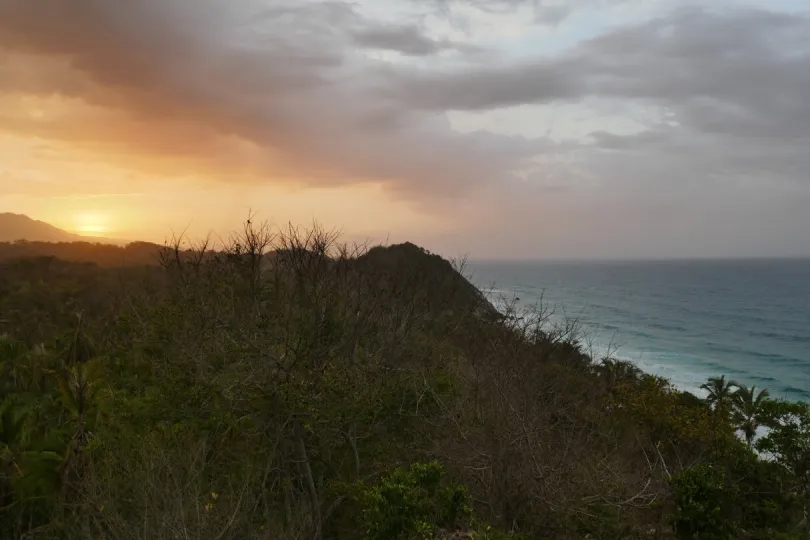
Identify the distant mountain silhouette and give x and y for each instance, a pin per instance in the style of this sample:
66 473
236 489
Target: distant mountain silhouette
15 227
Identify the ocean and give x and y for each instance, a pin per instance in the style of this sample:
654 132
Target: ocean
685 320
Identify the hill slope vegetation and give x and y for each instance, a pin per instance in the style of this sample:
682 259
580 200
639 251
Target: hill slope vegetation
290 387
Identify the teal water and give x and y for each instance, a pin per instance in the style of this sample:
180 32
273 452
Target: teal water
684 320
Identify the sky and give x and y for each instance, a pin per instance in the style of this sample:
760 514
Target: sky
516 129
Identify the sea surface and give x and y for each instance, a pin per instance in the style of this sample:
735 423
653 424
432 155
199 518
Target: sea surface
684 320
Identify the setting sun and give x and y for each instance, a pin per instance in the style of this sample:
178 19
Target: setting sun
92 224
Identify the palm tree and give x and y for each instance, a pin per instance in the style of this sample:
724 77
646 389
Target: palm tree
720 390
617 371
749 410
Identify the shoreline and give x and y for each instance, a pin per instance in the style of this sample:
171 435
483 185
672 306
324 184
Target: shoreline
687 377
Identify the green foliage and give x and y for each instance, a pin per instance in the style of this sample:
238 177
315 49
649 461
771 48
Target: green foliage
615 372
274 388
11 425
719 390
749 410
135 253
413 503
666 414
703 500
788 438
30 469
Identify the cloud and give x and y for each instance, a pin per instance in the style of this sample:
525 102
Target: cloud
729 89
33 187
476 89
405 39
261 90
726 73
736 57
544 11
334 93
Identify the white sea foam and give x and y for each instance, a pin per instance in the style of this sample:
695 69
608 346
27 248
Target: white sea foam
684 376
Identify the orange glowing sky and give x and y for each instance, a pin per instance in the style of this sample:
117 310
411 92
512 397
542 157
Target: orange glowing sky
495 128
79 191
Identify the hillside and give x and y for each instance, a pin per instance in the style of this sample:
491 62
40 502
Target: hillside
104 255
23 237
303 390
15 227
438 280
19 227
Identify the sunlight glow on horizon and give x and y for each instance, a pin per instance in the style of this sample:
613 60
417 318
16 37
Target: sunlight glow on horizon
92 224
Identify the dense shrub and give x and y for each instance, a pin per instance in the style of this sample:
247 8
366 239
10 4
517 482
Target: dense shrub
413 502
287 386
703 502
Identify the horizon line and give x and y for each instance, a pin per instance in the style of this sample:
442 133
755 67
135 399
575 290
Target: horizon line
637 259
